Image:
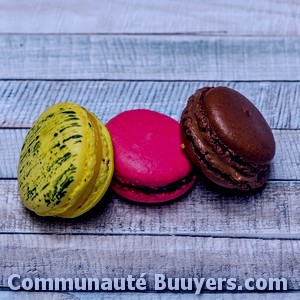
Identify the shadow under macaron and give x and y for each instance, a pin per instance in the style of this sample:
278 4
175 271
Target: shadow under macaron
46 222
223 191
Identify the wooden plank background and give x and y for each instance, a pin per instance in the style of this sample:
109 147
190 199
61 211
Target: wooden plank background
59 256
22 101
110 56
138 296
177 57
205 17
213 296
272 213
178 296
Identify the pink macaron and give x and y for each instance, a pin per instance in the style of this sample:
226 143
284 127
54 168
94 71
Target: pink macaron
150 163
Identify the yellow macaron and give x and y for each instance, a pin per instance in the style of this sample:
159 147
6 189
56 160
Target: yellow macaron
66 162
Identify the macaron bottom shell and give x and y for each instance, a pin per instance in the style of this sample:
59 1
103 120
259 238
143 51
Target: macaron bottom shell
156 196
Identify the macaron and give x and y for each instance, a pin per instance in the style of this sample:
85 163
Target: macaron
227 138
150 164
66 162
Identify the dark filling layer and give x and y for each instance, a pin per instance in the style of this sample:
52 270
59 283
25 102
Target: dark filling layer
172 187
248 184
216 156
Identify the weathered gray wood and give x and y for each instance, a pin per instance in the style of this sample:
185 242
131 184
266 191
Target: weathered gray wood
230 17
23 101
144 296
151 57
10 295
285 165
272 213
70 256
185 296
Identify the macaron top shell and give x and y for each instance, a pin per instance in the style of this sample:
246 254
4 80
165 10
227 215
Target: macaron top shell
148 150
239 124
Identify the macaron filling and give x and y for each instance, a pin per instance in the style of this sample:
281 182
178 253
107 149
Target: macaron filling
214 154
170 188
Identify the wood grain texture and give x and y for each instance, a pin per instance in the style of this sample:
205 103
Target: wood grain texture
228 17
285 165
68 256
185 296
272 213
10 295
149 57
23 101
144 296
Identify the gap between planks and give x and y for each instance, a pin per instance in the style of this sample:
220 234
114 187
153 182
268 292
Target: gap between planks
229 235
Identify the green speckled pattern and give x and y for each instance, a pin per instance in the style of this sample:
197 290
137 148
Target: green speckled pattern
57 159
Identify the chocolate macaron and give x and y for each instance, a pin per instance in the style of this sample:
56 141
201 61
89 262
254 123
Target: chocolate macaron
227 138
